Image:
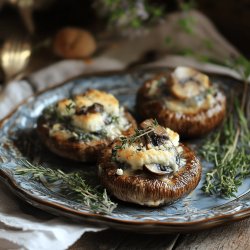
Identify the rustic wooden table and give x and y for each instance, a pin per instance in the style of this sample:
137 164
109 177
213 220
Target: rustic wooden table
231 236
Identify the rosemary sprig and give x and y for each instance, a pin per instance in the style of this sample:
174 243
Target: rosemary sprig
71 185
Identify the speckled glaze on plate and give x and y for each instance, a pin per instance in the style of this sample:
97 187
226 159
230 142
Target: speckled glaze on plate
18 139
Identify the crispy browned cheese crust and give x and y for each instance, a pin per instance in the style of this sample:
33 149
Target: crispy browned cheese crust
74 150
145 189
187 125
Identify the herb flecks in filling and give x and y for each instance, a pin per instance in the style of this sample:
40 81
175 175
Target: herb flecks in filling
93 115
153 148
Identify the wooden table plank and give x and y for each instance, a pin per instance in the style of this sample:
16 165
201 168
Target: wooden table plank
231 236
120 240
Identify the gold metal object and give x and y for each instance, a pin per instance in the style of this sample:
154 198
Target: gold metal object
14 57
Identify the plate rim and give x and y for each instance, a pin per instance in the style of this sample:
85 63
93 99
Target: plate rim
111 221
120 223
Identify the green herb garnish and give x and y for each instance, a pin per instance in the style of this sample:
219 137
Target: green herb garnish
127 141
139 133
228 151
71 185
78 134
70 106
129 13
137 136
115 119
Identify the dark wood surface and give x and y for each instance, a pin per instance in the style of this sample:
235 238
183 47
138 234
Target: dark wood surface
231 236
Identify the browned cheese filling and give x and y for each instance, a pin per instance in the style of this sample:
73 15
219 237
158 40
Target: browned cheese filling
92 115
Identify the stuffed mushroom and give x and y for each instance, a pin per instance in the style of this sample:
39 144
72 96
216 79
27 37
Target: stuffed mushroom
184 100
149 168
78 128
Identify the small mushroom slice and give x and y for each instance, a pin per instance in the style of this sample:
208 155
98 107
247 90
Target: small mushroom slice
94 108
159 130
158 169
147 123
187 82
158 136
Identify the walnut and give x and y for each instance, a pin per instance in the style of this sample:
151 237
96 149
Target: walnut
73 43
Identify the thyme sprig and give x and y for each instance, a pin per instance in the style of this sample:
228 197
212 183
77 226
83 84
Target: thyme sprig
71 185
138 135
228 151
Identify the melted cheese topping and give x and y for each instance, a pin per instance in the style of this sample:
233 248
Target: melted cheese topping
173 136
57 131
65 107
109 102
90 122
192 88
182 107
136 159
113 130
165 154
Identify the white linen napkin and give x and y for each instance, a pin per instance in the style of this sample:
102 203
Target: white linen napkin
19 230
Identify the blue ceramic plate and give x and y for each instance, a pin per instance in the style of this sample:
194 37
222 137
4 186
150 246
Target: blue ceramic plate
18 139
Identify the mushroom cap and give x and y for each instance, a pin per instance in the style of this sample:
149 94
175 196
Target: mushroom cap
77 150
187 82
188 125
147 189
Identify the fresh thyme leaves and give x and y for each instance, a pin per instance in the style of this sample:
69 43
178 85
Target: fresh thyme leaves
124 14
72 185
127 141
54 117
48 112
137 137
228 151
187 5
187 22
114 119
139 133
70 106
